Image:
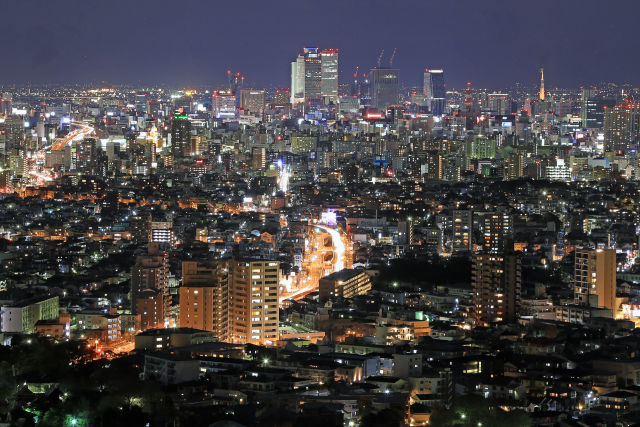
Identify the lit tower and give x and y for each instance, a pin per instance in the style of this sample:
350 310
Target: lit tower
541 95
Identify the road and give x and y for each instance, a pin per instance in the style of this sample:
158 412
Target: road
78 131
324 254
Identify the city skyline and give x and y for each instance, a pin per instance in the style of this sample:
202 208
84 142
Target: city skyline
488 44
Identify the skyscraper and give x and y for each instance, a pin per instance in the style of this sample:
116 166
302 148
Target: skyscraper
314 76
252 101
496 281
385 84
329 85
541 94
595 278
435 90
180 136
593 108
622 127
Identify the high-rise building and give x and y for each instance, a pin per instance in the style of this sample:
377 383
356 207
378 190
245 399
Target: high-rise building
541 94
595 278
622 127
329 85
314 76
253 310
258 158
223 104
204 297
593 107
385 85
151 272
252 101
435 90
499 103
496 281
434 167
180 136
497 229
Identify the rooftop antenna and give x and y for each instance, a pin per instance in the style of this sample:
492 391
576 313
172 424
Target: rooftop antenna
393 55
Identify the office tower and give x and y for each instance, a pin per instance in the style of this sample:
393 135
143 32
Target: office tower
297 80
622 127
592 107
499 103
252 101
435 90
204 297
541 94
329 85
497 230
496 281
223 104
384 87
253 309
180 136
312 74
462 221
595 278
281 97
151 272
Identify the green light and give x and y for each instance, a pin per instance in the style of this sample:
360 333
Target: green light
74 421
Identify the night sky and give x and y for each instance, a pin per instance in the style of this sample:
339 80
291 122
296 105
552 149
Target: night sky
184 42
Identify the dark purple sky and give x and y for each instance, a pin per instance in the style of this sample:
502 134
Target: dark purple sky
182 42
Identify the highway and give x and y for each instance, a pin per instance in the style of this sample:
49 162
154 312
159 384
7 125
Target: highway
316 263
78 131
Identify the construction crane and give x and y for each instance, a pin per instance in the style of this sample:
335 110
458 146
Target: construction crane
392 56
380 57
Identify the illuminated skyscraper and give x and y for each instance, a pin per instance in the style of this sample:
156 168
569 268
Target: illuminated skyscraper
622 127
329 86
252 101
314 76
385 84
180 136
435 90
541 95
